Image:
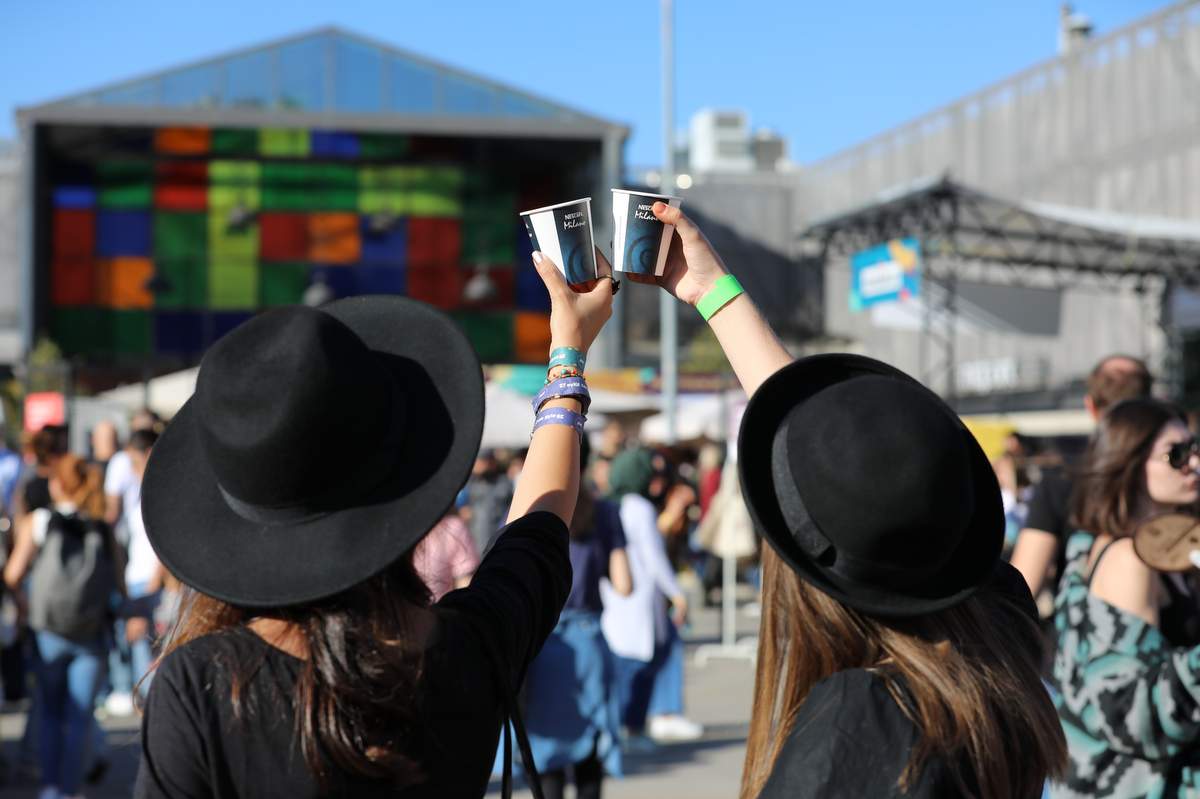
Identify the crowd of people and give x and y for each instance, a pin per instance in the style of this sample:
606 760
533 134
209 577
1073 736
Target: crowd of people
319 577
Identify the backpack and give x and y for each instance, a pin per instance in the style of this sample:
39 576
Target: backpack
73 579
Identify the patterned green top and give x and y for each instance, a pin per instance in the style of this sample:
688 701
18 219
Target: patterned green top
1128 701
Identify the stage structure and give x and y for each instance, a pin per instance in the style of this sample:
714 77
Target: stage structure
968 235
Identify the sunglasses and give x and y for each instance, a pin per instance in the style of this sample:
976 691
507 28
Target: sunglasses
1180 454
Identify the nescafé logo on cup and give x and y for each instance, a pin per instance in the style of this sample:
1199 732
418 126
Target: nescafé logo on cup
640 241
563 233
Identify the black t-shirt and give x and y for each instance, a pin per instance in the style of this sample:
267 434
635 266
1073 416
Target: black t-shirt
192 746
851 740
1050 510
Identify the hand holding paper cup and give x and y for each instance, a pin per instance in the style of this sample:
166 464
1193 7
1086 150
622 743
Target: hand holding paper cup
640 240
563 233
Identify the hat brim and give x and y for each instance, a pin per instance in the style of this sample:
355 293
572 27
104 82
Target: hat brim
968 567
208 546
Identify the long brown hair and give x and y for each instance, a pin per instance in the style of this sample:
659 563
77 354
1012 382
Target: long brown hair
1110 486
967 677
355 700
81 483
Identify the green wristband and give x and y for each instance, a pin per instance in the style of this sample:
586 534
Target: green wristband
725 289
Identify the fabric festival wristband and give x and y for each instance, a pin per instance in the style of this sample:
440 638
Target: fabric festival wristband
559 416
567 356
570 387
723 291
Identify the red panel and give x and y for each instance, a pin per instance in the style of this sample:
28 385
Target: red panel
176 197
283 237
74 233
440 286
73 281
189 172
499 286
434 242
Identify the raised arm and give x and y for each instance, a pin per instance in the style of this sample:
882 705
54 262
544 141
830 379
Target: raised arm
693 268
550 478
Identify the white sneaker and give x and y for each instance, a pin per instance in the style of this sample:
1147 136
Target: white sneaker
119 704
674 728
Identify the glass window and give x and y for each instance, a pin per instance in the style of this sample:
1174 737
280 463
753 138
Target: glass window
413 87
142 93
302 75
518 106
462 96
199 86
248 82
358 81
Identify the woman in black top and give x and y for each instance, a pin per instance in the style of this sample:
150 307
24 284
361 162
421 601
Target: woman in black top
319 448
897 655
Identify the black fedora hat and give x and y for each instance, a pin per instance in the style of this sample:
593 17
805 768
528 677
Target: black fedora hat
320 446
869 486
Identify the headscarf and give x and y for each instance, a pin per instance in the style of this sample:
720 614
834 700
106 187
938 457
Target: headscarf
630 473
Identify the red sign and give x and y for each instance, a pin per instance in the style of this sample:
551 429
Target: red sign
43 408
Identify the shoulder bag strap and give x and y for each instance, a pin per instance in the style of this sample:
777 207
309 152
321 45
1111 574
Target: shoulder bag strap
511 712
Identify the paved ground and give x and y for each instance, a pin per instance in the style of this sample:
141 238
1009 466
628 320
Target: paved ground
717 695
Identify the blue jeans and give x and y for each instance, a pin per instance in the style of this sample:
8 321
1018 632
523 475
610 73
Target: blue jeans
69 678
653 687
141 651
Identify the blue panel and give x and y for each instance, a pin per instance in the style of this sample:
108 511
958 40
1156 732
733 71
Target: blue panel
331 144
179 332
465 96
221 323
342 280
249 82
302 75
530 290
384 247
198 86
123 233
414 87
74 197
381 280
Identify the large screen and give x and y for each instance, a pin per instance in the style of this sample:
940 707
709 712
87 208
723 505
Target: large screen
156 241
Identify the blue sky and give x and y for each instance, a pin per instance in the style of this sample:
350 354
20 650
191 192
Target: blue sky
824 74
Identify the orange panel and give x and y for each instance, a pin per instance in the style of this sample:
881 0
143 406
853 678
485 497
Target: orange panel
121 282
532 334
183 141
333 238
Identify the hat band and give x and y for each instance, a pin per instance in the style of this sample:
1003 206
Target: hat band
800 524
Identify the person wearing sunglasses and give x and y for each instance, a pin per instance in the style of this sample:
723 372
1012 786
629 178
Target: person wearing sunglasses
1128 663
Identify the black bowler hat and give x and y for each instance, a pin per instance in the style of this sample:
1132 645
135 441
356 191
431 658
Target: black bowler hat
319 447
869 486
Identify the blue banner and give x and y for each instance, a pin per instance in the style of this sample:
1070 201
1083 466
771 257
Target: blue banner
885 273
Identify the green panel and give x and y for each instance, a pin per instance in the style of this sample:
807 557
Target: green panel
131 332
282 284
489 239
232 285
180 235
283 143
280 173
226 240
338 176
79 331
384 190
181 256
234 184
436 191
493 204
378 201
235 141
390 178
130 195
490 334
382 146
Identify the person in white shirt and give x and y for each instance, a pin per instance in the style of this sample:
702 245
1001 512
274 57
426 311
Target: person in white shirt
645 641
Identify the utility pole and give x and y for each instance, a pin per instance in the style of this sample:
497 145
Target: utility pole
667 310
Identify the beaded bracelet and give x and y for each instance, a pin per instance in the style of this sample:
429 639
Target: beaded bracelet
559 372
559 416
567 356
569 387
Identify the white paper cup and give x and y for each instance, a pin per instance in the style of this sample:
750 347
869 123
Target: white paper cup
563 233
640 241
